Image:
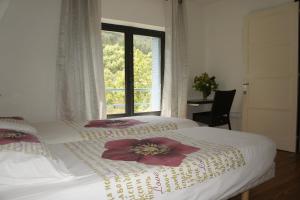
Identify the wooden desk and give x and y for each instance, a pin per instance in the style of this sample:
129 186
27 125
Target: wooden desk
199 101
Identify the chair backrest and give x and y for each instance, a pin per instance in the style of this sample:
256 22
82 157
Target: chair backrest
222 102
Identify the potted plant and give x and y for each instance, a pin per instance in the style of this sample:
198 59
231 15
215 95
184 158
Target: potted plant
205 84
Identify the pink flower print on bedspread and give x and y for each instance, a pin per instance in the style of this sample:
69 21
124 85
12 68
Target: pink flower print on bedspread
122 123
10 136
150 151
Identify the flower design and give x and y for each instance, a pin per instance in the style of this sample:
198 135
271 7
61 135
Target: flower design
151 151
122 123
10 136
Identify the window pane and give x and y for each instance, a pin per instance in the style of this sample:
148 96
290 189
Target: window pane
147 74
114 71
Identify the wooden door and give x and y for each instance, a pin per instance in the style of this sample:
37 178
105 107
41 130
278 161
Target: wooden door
270 100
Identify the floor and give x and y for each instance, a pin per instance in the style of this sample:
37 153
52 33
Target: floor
285 185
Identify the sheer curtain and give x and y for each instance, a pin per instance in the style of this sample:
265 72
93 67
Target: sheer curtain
176 69
3 7
80 81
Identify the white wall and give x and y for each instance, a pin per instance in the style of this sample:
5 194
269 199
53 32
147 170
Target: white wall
28 41
141 12
216 41
28 47
29 33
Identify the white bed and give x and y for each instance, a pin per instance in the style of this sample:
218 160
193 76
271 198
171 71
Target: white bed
62 132
258 153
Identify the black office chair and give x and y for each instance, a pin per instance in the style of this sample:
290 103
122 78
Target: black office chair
220 111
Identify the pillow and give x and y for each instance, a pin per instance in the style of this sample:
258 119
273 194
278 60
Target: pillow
16 124
25 160
14 117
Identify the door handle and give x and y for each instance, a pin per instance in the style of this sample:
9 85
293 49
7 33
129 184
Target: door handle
245 88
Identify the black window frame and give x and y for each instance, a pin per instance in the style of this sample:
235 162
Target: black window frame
129 32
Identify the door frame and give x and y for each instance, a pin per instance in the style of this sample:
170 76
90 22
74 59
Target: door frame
298 110
297 120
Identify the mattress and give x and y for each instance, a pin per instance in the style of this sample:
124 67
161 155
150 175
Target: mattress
258 153
62 131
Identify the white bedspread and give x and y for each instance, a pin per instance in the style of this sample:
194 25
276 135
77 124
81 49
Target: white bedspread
258 153
61 132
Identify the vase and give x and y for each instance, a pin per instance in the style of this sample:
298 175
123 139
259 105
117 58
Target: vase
205 94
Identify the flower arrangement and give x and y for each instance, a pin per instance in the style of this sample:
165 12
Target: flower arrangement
205 84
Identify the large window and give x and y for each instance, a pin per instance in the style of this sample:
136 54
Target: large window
133 69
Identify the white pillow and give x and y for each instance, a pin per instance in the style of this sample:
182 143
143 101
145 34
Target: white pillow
25 160
12 123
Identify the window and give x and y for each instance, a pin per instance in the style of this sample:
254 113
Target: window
133 70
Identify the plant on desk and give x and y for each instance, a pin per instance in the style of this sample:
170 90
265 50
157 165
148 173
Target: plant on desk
205 84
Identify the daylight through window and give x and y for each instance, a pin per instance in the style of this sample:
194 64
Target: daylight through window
133 70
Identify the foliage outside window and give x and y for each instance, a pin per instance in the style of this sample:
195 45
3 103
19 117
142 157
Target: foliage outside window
114 72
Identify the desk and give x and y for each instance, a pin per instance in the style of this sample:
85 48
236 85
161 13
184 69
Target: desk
199 101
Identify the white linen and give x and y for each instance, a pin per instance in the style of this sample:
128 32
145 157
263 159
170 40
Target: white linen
57 132
80 72
60 132
27 161
176 68
18 168
258 152
17 125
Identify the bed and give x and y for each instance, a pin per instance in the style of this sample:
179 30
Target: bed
66 131
226 163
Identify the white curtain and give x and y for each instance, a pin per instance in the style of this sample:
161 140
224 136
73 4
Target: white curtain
174 103
80 81
3 7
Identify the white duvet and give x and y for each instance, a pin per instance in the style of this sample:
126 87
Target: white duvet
60 132
258 153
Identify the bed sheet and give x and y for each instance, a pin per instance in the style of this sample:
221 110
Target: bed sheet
258 152
60 132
